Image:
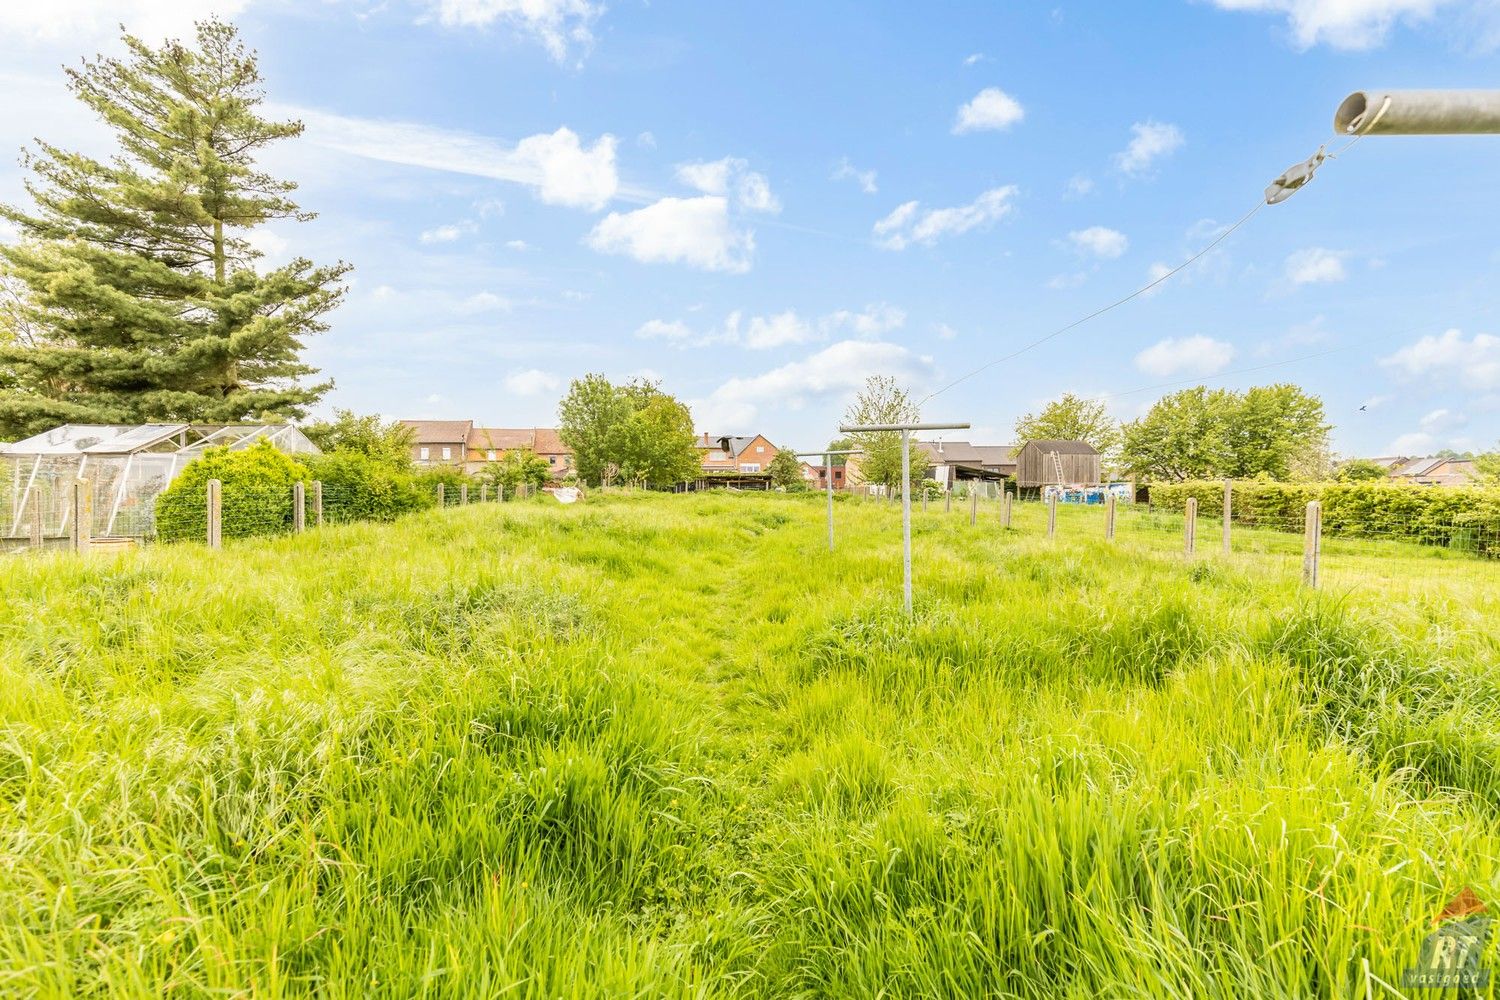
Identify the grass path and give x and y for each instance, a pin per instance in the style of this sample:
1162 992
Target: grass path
667 746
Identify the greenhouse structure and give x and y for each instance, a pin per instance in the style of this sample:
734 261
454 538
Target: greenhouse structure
126 468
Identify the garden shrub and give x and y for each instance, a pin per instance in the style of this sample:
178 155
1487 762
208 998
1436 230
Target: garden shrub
450 477
1466 518
357 487
256 497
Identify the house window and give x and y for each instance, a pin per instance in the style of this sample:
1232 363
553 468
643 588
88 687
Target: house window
424 453
447 453
551 459
489 456
760 449
750 467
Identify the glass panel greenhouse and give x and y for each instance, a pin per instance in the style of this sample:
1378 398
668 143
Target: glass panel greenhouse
127 466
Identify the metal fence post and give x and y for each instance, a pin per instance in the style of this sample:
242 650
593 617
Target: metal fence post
1312 543
1052 516
215 513
463 494
442 495
317 503
1005 510
974 507
1190 526
1228 512
36 521
83 515
299 508
1109 518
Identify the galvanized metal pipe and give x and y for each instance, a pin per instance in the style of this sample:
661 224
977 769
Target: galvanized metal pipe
1419 112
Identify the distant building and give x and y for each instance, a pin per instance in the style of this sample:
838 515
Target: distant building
950 462
439 442
462 445
1057 463
1437 471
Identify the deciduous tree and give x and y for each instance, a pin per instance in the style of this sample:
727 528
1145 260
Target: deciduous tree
883 401
1072 418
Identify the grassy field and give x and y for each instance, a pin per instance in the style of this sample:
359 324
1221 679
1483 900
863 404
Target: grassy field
664 746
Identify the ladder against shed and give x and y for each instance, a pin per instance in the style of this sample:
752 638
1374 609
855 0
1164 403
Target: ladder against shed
1040 464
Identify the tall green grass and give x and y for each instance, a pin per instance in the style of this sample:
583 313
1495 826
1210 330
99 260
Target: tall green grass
669 746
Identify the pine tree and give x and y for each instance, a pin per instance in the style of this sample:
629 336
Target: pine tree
136 277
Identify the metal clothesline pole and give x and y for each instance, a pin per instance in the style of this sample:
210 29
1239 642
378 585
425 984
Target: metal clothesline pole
827 457
905 430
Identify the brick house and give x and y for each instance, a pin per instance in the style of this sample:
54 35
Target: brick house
439 442
728 453
489 444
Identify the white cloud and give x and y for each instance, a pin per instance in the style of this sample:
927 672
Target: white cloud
784 328
655 329
909 224
559 25
1151 140
944 331
1079 186
1156 272
976 57
446 233
847 171
517 245
483 302
1343 24
1195 355
1416 443
1472 362
1100 241
777 330
1315 265
692 231
1442 419
646 140
559 168
1375 402
91 19
531 382
751 190
991 109
1063 282
837 370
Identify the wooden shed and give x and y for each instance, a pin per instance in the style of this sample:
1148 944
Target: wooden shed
1057 463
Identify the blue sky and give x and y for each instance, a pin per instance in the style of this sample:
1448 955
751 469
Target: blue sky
760 204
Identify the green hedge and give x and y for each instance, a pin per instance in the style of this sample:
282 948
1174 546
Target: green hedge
357 487
1462 518
256 498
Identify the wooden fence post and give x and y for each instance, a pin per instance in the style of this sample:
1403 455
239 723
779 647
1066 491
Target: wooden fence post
82 515
1005 510
924 500
1052 515
1312 543
215 513
442 494
1228 512
36 519
463 494
948 501
1109 518
484 492
973 507
317 503
1190 526
299 508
